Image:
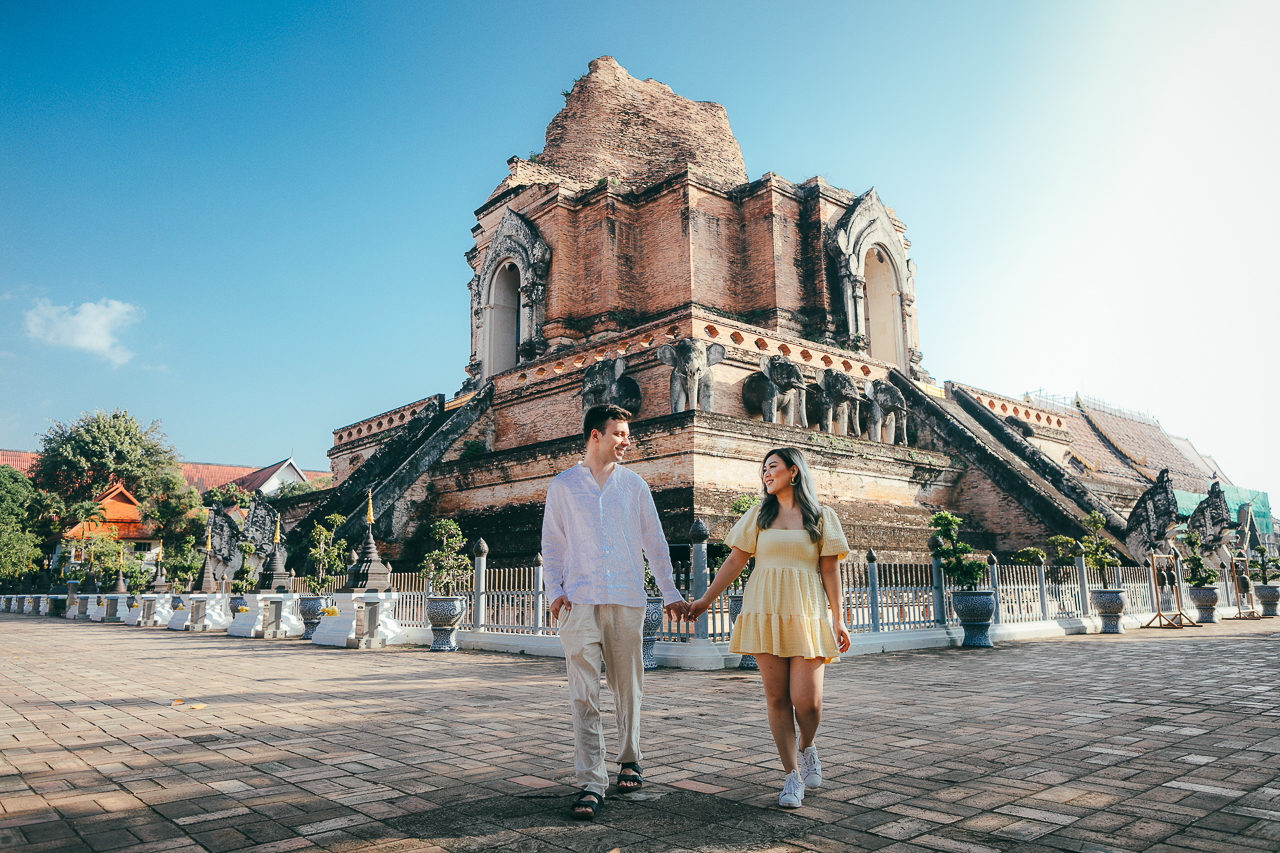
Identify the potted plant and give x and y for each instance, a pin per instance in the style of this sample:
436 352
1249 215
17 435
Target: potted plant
1264 569
327 555
1200 576
445 569
1108 602
973 607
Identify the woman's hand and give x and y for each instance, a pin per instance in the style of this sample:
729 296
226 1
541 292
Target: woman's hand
697 608
842 637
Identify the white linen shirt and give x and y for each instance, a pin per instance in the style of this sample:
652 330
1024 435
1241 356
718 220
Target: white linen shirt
594 541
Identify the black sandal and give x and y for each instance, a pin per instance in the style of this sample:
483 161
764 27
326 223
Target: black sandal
588 800
634 779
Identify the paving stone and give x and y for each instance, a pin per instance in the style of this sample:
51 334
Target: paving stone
1083 743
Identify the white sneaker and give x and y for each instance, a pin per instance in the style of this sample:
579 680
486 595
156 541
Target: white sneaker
810 766
792 791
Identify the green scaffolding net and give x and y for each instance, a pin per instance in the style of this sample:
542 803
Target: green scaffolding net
1236 497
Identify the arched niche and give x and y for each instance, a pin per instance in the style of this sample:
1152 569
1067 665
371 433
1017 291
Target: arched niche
881 306
502 320
873 270
508 296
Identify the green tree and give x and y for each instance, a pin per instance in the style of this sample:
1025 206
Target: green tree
1098 553
227 495
243 579
79 460
1064 553
1263 567
182 562
952 553
175 511
1198 574
99 548
1026 557
18 544
328 554
302 487
445 566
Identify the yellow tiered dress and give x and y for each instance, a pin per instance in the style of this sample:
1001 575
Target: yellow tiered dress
784 607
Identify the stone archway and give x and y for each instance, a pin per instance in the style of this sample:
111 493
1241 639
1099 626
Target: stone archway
508 296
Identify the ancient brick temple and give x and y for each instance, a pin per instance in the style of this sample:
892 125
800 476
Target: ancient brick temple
632 261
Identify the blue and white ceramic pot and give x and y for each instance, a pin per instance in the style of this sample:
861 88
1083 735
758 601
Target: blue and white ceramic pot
309 607
735 610
1268 597
1109 604
445 612
649 633
1205 598
974 608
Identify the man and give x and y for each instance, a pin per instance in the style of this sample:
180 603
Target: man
600 526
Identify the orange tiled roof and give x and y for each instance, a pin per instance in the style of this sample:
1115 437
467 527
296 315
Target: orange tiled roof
20 459
121 511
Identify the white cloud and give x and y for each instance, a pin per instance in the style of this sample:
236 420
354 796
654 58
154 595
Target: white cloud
91 326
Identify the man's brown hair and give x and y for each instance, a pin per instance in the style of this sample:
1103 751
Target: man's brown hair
597 416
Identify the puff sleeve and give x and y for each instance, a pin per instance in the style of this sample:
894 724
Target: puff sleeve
744 533
833 541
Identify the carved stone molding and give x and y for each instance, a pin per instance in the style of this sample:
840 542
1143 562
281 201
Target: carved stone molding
866 223
516 240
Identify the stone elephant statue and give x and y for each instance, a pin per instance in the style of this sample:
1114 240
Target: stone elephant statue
777 392
603 384
888 410
832 400
691 382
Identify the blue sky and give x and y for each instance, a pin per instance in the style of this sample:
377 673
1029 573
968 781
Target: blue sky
247 220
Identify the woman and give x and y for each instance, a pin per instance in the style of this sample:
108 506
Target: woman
792 618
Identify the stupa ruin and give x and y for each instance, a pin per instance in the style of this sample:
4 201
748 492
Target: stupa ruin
632 261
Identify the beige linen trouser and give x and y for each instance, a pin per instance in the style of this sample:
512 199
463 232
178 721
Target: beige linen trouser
591 633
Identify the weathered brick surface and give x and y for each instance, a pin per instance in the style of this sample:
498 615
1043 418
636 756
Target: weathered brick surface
1086 743
638 131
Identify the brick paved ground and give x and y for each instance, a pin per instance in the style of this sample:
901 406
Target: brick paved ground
1156 741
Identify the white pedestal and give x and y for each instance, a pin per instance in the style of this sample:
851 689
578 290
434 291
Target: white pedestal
260 621
117 605
179 616
134 613
29 604
249 623
353 628
160 606
98 611
44 605
209 612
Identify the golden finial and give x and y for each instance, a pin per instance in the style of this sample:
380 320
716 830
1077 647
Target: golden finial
208 538
368 516
276 538
122 555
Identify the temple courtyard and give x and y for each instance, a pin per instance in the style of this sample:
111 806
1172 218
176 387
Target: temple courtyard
116 738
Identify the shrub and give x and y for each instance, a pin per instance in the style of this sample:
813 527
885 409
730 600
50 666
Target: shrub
953 554
1199 575
1027 557
445 567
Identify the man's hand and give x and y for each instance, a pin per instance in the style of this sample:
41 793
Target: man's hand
677 610
561 603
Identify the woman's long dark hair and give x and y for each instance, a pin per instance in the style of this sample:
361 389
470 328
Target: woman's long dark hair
806 496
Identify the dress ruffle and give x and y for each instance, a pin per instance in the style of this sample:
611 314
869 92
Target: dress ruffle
784 613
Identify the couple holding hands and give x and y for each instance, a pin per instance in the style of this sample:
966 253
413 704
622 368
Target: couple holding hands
599 527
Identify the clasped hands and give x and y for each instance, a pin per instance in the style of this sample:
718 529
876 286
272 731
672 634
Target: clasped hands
676 610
